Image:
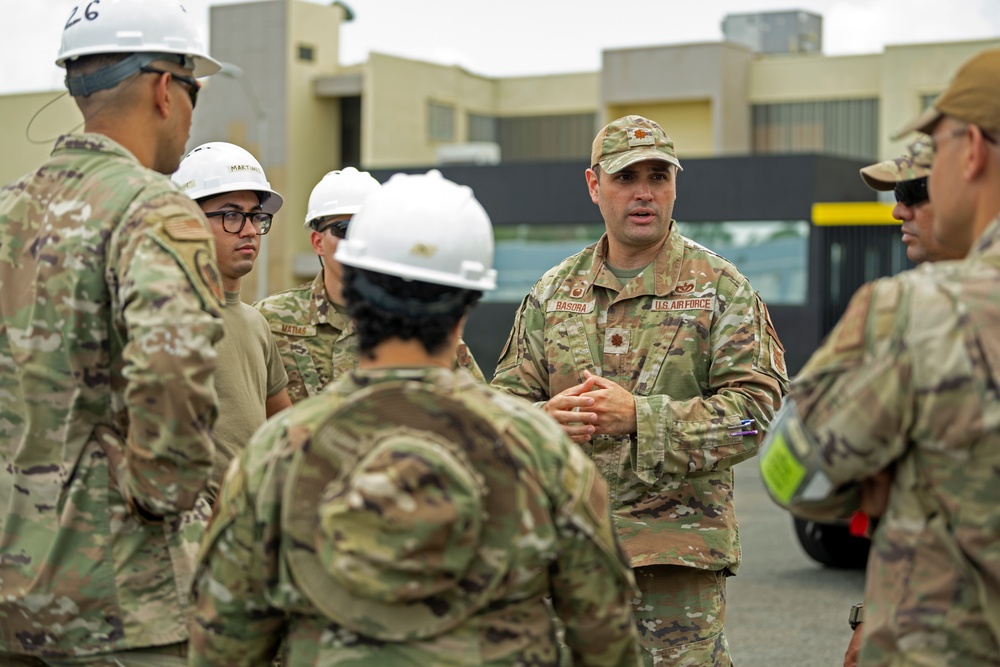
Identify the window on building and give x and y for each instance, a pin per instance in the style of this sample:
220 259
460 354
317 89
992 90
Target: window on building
561 137
771 254
307 53
523 253
482 128
441 121
835 127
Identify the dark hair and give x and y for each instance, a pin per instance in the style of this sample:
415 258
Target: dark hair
406 309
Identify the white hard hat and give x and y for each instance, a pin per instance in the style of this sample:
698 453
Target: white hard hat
423 227
134 26
340 193
219 167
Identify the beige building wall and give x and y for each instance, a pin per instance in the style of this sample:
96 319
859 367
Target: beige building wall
689 124
397 97
704 85
27 143
809 78
912 72
313 130
548 95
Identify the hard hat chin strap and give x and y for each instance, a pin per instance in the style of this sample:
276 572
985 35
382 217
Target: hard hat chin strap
109 77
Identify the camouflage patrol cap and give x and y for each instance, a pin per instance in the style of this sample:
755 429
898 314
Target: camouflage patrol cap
973 96
631 139
913 164
389 516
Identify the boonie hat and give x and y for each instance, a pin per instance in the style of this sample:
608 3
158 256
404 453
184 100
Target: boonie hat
400 513
973 96
913 164
631 139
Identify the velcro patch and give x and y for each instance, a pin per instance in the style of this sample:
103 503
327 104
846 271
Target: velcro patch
561 306
638 136
781 471
294 329
616 340
703 303
186 229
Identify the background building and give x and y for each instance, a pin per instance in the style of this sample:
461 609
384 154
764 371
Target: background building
764 92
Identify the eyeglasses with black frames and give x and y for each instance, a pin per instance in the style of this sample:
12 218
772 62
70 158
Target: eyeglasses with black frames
234 221
912 193
192 84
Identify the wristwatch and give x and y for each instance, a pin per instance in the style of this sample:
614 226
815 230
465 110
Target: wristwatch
857 616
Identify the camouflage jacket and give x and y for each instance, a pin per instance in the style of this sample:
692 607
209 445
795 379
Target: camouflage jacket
110 302
693 343
549 534
317 340
908 380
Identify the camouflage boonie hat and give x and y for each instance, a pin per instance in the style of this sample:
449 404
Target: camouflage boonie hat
393 531
913 164
631 139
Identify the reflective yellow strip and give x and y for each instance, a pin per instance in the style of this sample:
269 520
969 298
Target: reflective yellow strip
829 214
781 471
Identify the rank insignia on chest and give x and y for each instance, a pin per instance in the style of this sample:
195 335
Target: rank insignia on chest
616 340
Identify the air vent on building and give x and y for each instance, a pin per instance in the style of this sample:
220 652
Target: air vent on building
776 32
472 152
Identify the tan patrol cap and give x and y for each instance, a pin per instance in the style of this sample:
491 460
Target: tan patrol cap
913 164
972 97
631 139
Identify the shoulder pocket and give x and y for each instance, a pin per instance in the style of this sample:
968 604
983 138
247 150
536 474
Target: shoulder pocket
185 238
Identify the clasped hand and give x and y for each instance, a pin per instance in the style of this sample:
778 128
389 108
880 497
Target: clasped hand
596 406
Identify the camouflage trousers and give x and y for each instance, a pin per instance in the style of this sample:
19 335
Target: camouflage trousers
172 655
681 617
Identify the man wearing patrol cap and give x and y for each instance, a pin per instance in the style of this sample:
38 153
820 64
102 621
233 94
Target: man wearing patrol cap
906 176
410 514
907 382
316 339
657 356
110 300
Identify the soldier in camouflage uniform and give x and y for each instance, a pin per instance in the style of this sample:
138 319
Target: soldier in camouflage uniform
656 355
906 385
906 176
316 339
411 515
110 299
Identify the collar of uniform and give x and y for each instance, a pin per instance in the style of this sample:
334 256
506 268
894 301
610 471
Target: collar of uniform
989 241
445 379
666 268
93 142
324 311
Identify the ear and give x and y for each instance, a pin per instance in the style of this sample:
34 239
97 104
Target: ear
316 239
979 155
161 95
459 329
592 185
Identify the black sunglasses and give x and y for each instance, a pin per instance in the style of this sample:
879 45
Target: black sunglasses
338 229
191 83
912 193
